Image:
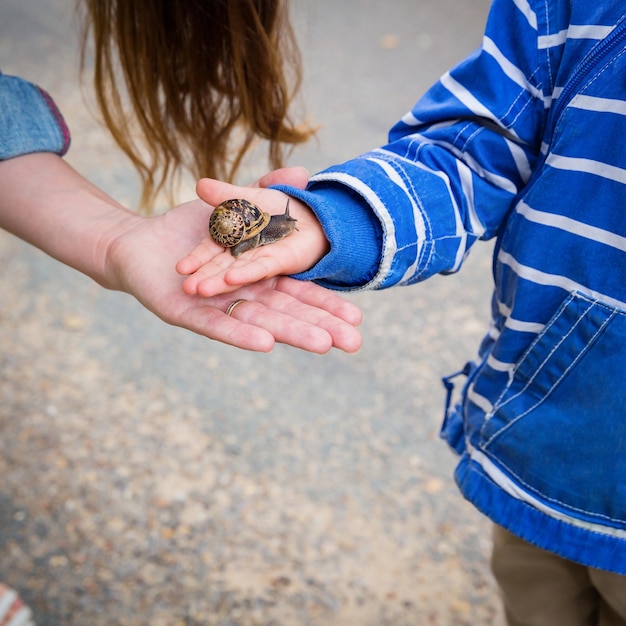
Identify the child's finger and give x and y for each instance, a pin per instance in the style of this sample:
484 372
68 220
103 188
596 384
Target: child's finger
293 176
257 269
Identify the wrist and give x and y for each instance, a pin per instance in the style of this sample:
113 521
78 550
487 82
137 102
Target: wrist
113 250
318 245
351 232
48 204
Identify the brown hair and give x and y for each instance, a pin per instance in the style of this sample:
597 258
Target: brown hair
204 78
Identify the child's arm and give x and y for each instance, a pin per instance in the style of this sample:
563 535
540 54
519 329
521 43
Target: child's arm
448 177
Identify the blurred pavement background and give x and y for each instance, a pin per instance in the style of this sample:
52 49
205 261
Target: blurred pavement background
150 477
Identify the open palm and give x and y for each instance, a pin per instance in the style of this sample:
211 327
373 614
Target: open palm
278 309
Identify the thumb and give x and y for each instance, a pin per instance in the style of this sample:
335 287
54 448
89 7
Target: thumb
292 176
215 192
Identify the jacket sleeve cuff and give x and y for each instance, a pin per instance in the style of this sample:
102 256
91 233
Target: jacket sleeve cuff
353 231
29 120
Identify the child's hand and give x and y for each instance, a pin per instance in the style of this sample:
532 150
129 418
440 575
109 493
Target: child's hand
213 270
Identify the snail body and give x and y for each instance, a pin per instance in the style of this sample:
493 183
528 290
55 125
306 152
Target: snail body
240 225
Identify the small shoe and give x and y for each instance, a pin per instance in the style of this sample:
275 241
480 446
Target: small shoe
13 612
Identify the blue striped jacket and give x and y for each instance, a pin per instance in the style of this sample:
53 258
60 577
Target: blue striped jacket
524 141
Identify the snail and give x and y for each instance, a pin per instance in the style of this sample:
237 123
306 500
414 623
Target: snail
240 225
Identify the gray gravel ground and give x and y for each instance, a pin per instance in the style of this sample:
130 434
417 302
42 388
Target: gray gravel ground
150 477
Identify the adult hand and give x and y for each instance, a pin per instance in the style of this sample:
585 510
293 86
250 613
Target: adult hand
277 309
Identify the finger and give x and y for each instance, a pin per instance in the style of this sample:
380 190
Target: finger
225 273
207 285
284 327
215 192
343 334
211 322
301 320
208 280
294 176
268 316
206 250
189 264
322 298
256 267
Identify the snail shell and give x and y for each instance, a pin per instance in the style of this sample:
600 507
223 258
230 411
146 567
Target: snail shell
236 220
240 225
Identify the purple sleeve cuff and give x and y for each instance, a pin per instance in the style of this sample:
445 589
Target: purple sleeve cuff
29 120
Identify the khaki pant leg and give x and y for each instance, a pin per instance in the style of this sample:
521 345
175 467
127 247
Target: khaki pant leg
539 588
612 590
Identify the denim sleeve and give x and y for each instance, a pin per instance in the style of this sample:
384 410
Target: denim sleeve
29 120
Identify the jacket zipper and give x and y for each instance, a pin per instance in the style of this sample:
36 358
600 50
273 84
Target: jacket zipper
597 54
